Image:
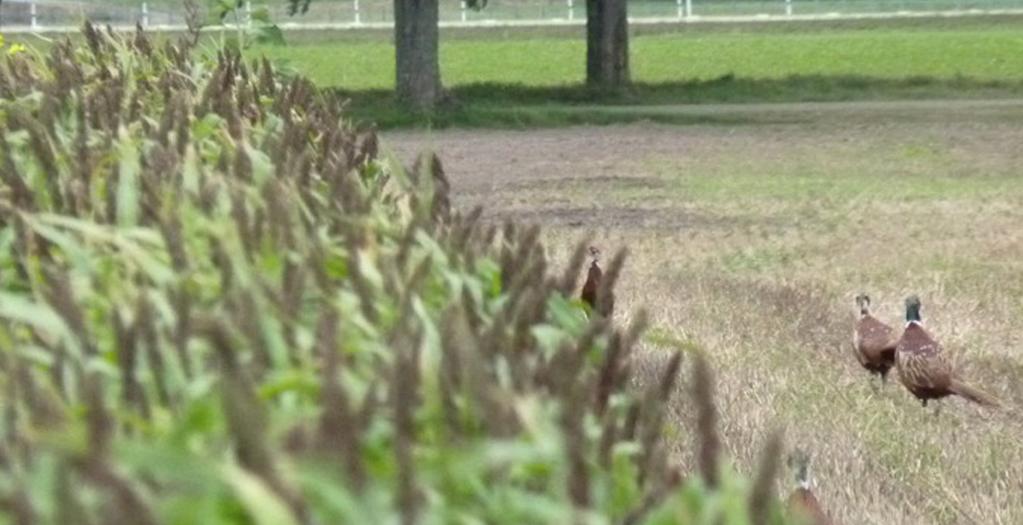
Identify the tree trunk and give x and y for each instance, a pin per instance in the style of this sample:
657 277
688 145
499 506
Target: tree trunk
416 35
607 44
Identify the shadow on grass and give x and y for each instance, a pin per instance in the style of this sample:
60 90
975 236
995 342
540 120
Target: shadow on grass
516 105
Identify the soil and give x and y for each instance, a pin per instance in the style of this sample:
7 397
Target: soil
557 176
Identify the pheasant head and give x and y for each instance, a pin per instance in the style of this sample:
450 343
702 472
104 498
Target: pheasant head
913 309
799 462
863 303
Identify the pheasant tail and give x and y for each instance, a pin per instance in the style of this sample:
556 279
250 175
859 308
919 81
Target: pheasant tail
973 394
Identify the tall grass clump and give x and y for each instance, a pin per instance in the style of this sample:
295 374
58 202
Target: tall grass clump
219 305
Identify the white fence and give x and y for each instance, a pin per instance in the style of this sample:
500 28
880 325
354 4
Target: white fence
40 15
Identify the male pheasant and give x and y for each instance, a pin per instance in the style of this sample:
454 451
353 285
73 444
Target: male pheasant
593 276
873 341
923 367
803 506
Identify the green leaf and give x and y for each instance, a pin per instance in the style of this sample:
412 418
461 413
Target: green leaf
263 169
207 127
190 167
331 497
127 241
490 271
222 8
36 355
78 256
336 265
6 241
40 316
262 505
270 35
127 181
261 15
566 314
549 337
290 381
625 491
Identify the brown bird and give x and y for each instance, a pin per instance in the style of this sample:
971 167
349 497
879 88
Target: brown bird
803 505
923 367
589 295
873 341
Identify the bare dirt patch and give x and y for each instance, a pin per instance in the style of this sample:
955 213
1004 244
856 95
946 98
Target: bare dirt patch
480 162
659 219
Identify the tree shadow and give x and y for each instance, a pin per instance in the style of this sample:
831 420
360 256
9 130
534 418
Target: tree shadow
519 105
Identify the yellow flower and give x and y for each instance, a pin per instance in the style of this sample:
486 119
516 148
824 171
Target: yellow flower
15 49
1 40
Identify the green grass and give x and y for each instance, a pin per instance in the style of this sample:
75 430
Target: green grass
985 55
995 54
535 79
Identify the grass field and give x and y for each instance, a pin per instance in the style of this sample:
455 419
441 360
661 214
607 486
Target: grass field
499 78
975 53
752 228
752 240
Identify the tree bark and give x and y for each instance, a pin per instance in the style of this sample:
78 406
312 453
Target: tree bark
607 44
416 35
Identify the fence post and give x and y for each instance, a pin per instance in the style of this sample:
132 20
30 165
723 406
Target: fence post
571 10
358 16
465 15
34 14
678 8
248 13
689 9
145 14
788 7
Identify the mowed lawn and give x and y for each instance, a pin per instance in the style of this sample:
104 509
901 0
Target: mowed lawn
975 52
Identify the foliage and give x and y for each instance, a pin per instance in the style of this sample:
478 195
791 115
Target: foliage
12 49
298 7
252 26
219 305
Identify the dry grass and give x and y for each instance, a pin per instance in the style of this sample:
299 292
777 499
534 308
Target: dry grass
751 243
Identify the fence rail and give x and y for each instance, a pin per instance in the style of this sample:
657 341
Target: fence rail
59 16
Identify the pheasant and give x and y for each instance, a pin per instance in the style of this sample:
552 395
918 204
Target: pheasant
924 369
803 505
873 341
589 295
